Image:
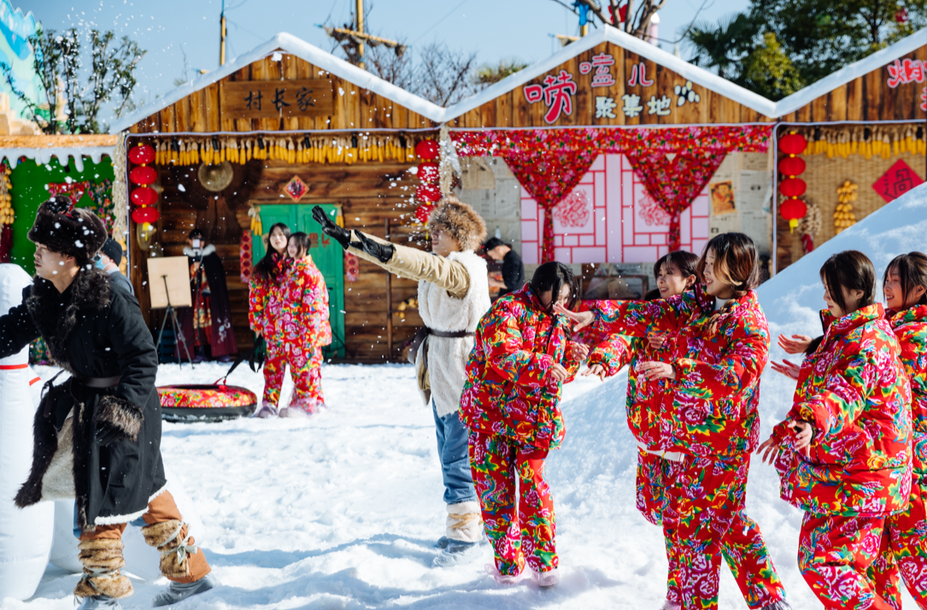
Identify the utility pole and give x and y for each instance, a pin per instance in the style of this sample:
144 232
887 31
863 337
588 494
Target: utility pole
359 27
354 41
222 33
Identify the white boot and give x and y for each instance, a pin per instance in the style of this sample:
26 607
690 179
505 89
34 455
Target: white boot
464 533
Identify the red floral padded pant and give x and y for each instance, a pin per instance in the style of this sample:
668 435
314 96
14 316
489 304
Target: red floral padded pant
834 555
904 548
701 505
522 532
305 369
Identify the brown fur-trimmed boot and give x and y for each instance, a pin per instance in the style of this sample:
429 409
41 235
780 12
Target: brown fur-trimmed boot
102 579
170 537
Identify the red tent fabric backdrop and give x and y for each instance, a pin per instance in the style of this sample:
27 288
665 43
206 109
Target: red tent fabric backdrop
549 163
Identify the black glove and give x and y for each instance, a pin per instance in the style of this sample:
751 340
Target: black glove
107 435
331 229
381 252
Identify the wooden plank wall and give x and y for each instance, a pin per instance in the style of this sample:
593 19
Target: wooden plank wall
354 108
866 98
513 110
369 195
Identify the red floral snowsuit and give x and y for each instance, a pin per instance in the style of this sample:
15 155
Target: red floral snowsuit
857 470
708 416
265 306
510 403
297 329
904 541
742 548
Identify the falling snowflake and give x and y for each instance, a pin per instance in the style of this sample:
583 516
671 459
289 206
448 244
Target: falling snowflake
574 211
651 213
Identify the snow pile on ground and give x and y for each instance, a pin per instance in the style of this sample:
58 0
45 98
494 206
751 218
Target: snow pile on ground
340 511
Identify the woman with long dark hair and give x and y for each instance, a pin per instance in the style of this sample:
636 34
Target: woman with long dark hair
264 304
305 329
707 422
510 403
844 451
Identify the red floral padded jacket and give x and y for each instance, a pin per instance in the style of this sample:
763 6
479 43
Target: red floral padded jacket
710 409
854 390
509 391
265 303
910 328
644 398
304 314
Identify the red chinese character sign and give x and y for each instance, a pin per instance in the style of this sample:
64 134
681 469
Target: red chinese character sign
908 71
898 180
557 93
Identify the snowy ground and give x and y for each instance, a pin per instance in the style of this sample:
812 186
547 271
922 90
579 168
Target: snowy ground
340 511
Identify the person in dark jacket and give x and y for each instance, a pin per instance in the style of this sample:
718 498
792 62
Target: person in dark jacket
109 261
209 321
97 436
513 270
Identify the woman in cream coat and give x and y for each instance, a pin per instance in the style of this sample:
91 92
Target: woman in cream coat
453 294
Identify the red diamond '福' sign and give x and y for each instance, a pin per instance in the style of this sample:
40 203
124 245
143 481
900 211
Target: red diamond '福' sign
898 180
296 188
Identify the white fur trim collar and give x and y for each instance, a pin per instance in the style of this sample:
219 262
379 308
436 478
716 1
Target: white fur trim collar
209 249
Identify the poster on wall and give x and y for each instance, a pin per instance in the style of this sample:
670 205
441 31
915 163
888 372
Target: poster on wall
722 198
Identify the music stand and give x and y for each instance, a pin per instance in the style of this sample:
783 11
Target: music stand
172 289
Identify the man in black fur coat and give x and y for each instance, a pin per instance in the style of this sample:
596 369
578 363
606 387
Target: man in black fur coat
98 435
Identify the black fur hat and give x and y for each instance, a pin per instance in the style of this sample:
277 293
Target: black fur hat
65 229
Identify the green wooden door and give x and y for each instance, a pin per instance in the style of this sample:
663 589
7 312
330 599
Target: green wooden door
326 253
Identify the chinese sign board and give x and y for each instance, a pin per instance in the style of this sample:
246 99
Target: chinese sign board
556 92
277 98
903 72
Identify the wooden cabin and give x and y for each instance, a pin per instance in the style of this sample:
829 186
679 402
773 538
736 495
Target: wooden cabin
610 81
865 125
344 139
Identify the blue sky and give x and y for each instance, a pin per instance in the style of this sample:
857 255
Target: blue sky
496 29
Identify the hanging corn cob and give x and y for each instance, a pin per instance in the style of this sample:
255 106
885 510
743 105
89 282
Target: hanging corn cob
843 214
6 199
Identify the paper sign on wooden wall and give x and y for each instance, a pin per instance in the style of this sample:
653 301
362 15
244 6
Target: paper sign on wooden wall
277 98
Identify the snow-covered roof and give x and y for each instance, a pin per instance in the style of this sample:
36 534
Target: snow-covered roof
62 147
846 74
292 45
635 45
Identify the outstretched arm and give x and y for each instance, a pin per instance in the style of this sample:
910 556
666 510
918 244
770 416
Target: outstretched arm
407 262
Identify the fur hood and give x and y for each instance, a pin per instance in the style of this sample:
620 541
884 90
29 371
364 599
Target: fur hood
90 291
461 221
209 249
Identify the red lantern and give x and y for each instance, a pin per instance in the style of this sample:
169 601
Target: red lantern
793 187
791 166
423 212
793 144
143 196
427 193
142 153
793 210
427 149
142 215
143 175
428 172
